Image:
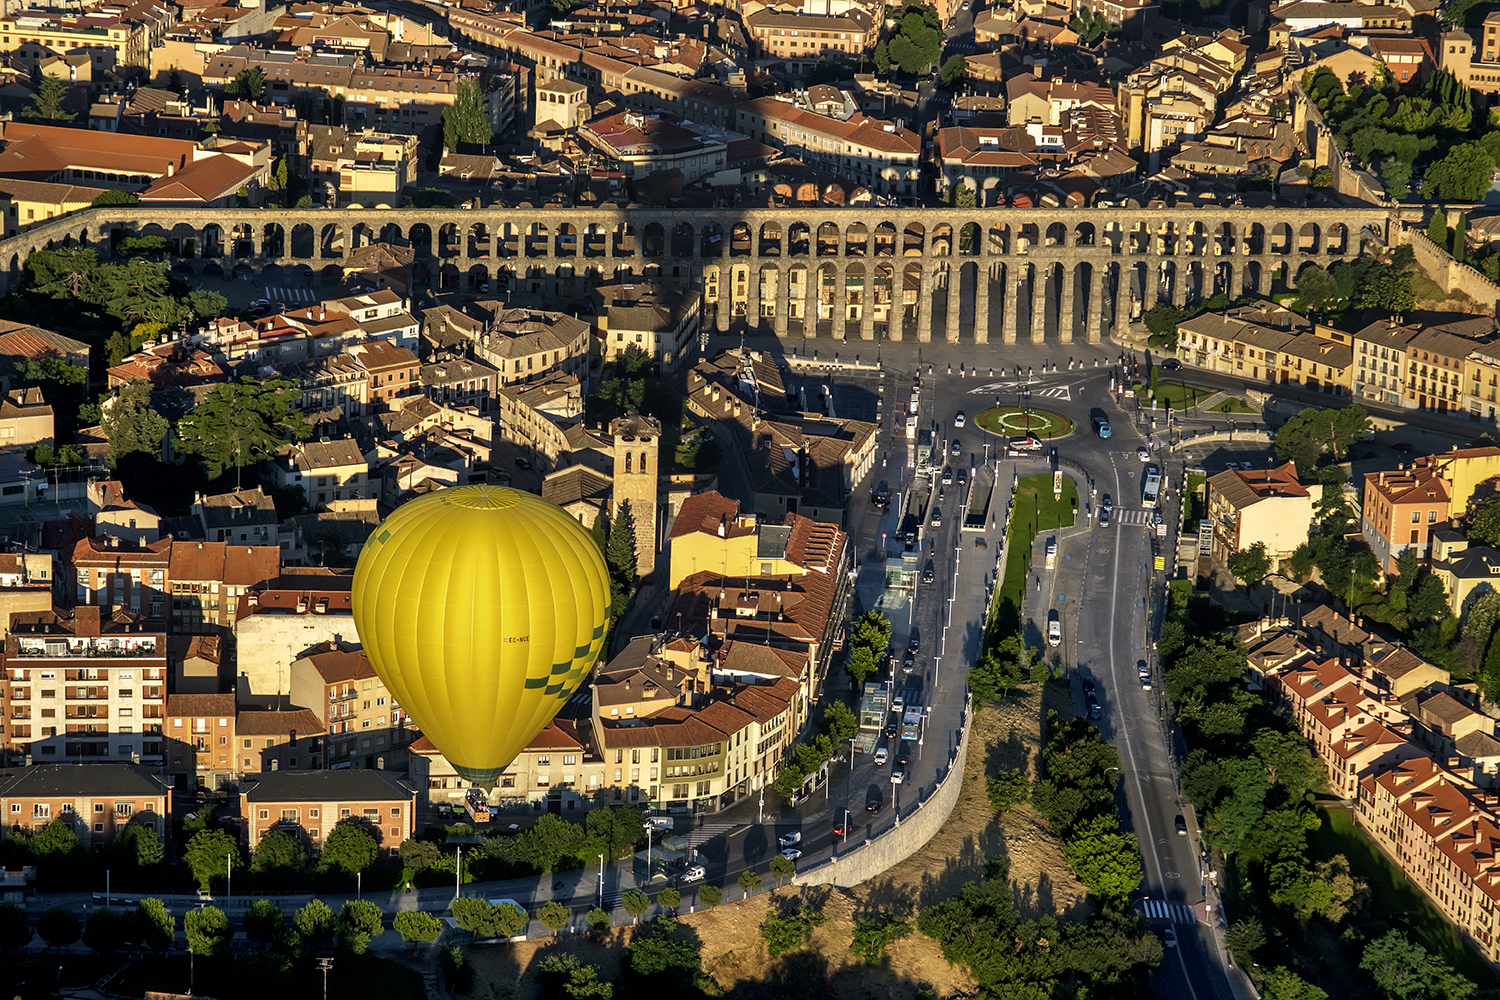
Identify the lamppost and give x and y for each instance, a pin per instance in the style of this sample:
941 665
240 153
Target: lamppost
601 881
228 879
458 875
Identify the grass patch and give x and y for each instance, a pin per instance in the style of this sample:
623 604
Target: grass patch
1393 897
1035 511
1231 405
1011 421
1177 395
1197 498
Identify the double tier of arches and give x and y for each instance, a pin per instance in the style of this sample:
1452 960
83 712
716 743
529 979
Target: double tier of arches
878 274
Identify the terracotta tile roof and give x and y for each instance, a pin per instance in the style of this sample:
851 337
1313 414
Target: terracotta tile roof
337 665
301 721
201 705
707 512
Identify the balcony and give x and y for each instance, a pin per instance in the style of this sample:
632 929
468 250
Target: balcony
130 648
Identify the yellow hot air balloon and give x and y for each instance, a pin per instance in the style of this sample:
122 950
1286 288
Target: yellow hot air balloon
482 609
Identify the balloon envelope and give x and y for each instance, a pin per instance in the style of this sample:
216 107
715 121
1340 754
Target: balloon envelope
482 609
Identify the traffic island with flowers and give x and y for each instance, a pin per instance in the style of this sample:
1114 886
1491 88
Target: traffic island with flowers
1010 422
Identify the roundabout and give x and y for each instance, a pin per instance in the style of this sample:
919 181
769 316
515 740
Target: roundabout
1012 421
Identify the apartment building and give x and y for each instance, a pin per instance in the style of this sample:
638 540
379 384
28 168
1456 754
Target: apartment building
799 40
82 686
979 158
200 740
543 417
114 574
558 771
522 344
112 35
1269 507
208 580
662 321
283 739
309 804
393 372
95 800
359 717
640 144
276 625
884 157
1405 506
328 471
461 382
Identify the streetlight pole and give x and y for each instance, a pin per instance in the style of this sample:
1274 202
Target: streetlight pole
458 874
228 879
601 881
325 964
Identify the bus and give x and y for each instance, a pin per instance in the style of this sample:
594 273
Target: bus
1152 488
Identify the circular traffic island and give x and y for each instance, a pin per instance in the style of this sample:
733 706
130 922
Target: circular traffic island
1011 421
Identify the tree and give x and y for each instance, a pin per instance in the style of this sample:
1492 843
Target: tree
1284 984
882 58
791 930
207 304
47 102
860 663
419 855
58 927
315 924
208 931
1106 861
417 927
750 881
278 851
466 122
1484 521
598 920
600 533
554 916
710 896
562 974
131 425
104 932
1461 237
138 845
350 847
636 903
1316 288
620 553
617 830
15 930
873 935
242 423
265 922
56 840
1251 565
248 84
1462 175
110 198
782 869
475 916
360 922
510 920
1405 970
839 722
152 926
1008 788
208 855
954 69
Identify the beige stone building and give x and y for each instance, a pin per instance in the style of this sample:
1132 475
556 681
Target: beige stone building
360 718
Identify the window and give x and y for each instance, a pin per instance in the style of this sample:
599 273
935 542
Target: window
265 814
1416 516
98 807
312 814
1431 516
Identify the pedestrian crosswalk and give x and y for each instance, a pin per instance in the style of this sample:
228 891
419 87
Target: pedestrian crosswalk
1177 913
1124 515
281 293
708 831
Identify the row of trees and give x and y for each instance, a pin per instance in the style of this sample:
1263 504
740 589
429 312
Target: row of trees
1254 782
838 724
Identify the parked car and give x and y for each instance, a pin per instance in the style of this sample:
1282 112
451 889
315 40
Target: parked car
788 839
980 543
1091 705
1145 682
1171 365
898 776
1181 826
874 805
1054 628
1169 938
914 644
1103 517
842 827
1089 687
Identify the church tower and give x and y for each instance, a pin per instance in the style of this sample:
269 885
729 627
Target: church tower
637 441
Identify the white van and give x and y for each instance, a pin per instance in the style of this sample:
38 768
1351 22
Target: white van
881 756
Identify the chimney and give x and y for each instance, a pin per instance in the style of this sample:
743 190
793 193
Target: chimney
721 526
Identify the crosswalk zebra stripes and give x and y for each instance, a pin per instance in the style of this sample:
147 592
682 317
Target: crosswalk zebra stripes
1125 515
280 293
1177 913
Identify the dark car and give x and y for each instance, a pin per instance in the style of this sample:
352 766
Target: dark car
927 576
1092 704
915 645
890 731
1171 365
522 463
903 756
882 496
908 662
1089 687
961 477
1107 502
1402 447
980 543
874 806
1181 827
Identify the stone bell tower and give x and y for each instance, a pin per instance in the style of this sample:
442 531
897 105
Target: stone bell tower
637 442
